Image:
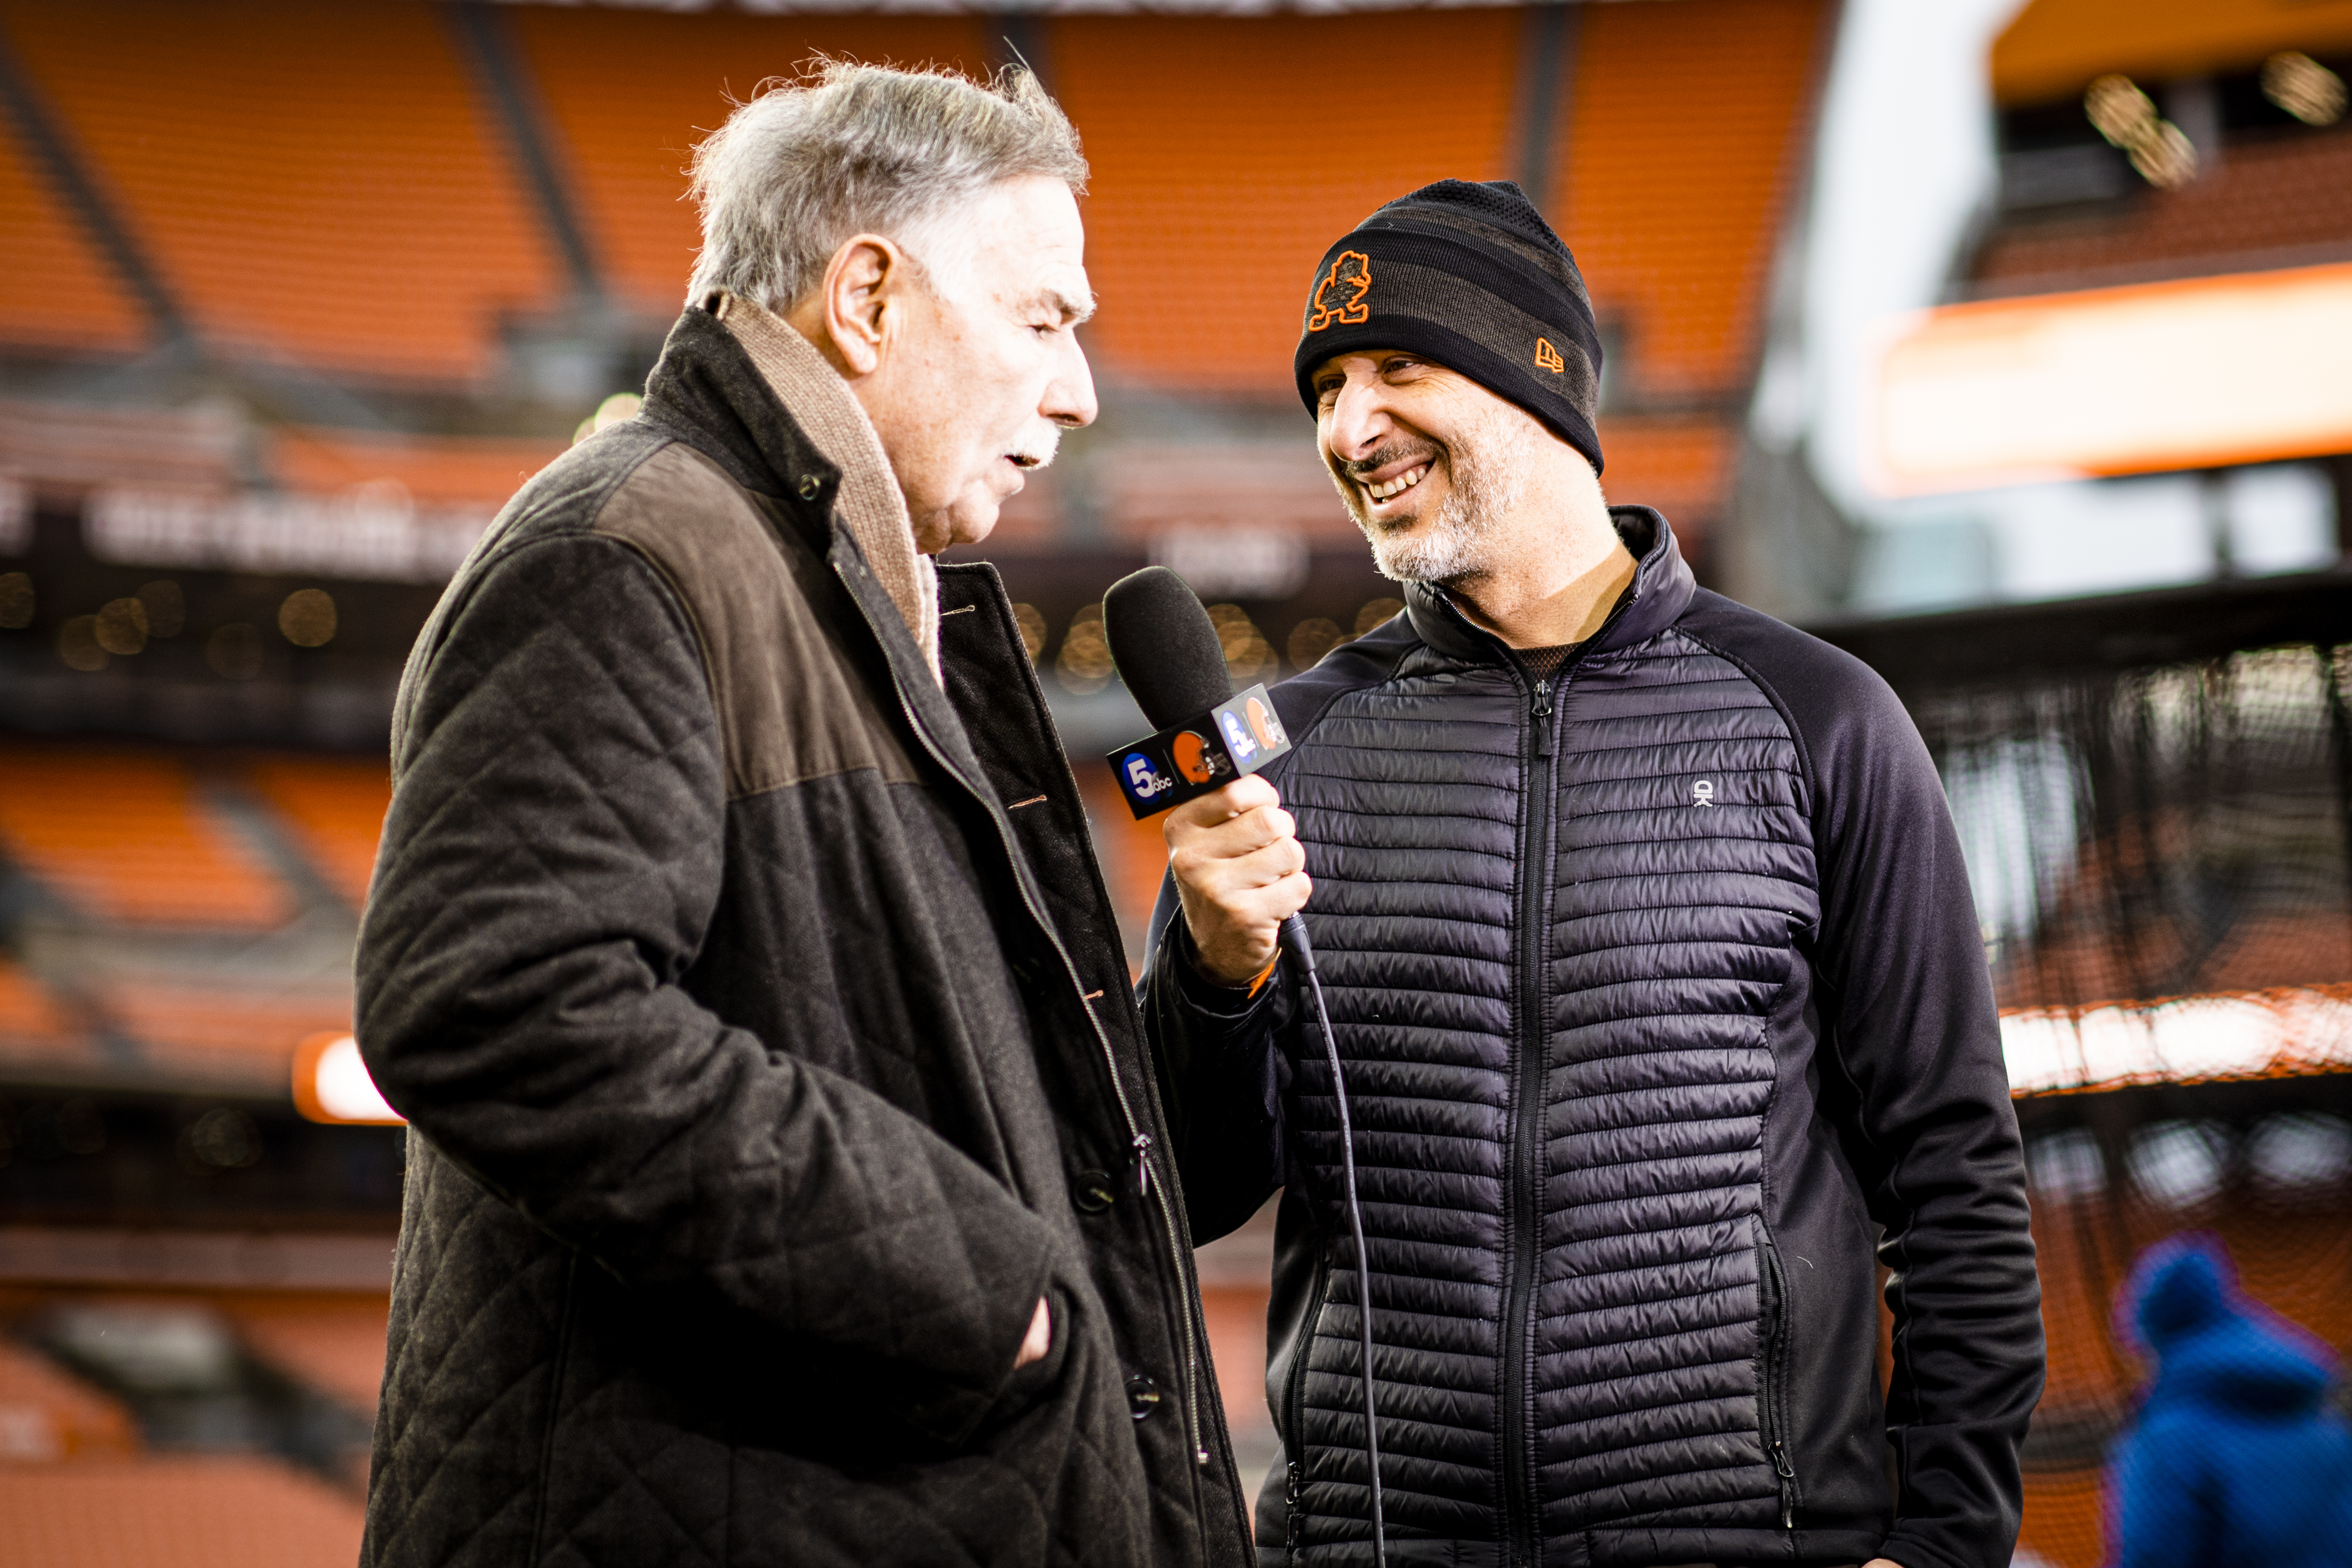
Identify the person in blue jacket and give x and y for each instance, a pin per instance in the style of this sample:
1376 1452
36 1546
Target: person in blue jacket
2235 1457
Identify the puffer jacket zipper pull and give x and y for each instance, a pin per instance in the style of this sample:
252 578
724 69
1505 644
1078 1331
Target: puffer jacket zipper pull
1788 1474
1542 714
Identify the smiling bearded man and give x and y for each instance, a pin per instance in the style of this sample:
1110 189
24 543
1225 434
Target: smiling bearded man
1657 989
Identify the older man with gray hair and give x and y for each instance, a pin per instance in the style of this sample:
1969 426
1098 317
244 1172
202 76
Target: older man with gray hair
786 1183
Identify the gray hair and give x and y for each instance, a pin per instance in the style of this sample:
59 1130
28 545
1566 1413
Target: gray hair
853 149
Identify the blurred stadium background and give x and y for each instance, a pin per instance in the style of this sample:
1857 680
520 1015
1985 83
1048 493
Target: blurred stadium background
295 295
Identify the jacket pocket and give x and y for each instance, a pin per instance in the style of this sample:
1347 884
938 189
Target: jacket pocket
1773 1331
1294 1400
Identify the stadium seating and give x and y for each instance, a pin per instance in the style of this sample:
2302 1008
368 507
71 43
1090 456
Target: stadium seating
1228 153
1687 128
335 807
193 1511
57 291
331 1343
1681 465
446 470
68 448
46 1416
2266 202
217 1037
631 92
358 212
123 835
38 1040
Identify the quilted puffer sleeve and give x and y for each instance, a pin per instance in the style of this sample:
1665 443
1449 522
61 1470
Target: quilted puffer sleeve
551 859
1219 1058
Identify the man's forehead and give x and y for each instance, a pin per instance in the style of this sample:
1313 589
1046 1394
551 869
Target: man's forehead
1034 246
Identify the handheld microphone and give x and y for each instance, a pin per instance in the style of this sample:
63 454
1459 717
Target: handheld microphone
1169 655
1173 663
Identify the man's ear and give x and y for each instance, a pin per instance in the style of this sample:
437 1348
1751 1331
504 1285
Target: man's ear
851 315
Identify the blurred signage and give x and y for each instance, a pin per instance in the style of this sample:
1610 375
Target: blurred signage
332 1083
1236 562
369 532
2198 374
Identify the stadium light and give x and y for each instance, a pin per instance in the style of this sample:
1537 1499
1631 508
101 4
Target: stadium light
2197 373
2185 1040
332 1083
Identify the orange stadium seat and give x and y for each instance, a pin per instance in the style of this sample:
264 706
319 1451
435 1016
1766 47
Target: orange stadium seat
57 291
1678 464
225 1512
36 1034
46 1416
2064 1526
1229 153
436 470
220 1038
122 834
26 1010
632 91
336 807
357 210
333 1344
1688 126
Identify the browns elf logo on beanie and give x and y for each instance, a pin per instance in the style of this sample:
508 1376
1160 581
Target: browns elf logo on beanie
1340 296
1471 278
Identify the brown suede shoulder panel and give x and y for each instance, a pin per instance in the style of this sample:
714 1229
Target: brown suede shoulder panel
791 705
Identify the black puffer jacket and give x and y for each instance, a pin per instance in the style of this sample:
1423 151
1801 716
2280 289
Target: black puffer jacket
1657 989
767 1046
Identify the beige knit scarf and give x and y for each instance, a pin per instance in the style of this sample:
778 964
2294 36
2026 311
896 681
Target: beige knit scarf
869 503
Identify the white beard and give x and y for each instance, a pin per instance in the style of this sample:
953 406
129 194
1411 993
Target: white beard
1487 468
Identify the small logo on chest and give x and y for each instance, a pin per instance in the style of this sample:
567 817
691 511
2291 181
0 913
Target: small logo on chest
1703 792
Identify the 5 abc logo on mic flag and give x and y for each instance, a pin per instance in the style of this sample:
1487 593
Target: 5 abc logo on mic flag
1238 736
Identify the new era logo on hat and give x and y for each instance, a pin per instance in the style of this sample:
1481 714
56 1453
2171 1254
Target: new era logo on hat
1548 357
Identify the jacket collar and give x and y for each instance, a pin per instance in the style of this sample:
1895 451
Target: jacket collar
1662 590
706 391
867 501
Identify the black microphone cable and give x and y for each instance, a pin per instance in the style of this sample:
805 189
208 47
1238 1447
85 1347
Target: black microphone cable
1293 941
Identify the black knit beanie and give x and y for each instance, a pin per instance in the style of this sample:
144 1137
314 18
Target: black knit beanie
1470 275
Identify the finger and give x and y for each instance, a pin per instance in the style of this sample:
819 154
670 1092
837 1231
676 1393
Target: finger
1217 876
1251 831
1258 910
1245 794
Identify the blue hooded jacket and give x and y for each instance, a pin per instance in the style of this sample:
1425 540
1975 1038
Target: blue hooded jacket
2235 1460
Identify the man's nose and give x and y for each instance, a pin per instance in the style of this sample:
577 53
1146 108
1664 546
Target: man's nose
1358 419
1070 397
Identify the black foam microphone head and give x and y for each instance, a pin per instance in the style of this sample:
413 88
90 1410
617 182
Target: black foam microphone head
1166 648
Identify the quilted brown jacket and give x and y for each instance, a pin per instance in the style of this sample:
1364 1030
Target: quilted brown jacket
767 1051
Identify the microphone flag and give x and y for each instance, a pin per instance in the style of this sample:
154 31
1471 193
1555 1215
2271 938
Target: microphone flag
1239 736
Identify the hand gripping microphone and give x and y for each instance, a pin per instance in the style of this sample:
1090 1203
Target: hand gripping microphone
1173 663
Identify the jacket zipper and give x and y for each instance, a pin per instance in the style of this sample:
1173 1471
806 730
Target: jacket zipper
1139 1141
1772 1340
1524 1533
1294 1402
